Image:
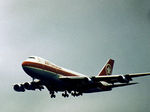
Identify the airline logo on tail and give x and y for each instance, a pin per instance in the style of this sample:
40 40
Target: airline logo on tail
107 69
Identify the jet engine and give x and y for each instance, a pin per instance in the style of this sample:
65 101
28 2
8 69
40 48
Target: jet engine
124 79
19 88
28 86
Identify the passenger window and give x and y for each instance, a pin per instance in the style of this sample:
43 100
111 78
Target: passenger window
47 63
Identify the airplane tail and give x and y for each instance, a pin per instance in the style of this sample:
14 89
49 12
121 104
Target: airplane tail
107 69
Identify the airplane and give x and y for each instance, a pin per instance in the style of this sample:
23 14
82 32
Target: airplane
58 79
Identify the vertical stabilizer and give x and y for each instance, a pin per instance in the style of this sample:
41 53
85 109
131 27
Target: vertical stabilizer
107 69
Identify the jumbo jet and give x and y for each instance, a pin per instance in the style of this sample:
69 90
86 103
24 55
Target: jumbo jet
58 79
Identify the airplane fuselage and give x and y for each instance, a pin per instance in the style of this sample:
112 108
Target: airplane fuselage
49 73
59 79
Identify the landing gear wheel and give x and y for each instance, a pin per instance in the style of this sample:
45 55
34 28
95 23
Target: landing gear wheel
65 94
75 94
53 96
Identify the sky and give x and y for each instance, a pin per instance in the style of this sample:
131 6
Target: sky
80 35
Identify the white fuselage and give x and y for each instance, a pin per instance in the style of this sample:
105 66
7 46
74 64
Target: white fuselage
39 68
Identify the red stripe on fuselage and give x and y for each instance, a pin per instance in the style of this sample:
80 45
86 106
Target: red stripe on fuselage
51 68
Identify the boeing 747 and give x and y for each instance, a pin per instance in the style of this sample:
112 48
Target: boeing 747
58 79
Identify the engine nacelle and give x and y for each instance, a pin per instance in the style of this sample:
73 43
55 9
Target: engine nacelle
36 85
124 79
33 86
19 88
28 86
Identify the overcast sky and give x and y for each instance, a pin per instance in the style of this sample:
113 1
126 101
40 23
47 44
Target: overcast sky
80 35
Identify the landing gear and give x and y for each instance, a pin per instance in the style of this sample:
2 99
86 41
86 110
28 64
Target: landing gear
65 94
52 94
75 93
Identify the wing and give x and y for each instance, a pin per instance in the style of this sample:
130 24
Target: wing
75 80
107 78
118 78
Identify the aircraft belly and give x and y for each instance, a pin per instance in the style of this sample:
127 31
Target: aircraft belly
92 90
40 73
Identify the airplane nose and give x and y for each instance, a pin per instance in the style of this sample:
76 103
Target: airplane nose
25 66
25 63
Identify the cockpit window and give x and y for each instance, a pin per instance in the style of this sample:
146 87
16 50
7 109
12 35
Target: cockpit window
31 57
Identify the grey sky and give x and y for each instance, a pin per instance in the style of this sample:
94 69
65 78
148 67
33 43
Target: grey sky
80 35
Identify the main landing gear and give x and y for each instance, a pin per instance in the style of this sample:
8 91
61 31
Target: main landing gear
75 94
52 93
65 94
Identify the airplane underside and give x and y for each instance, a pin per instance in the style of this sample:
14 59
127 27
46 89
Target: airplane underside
54 89
54 85
58 79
